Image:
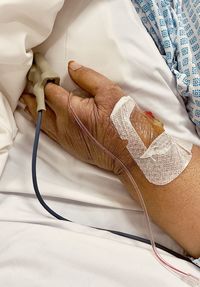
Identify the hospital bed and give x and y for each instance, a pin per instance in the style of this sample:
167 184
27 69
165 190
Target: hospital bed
37 250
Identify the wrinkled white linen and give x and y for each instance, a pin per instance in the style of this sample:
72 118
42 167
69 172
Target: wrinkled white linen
8 130
39 251
24 24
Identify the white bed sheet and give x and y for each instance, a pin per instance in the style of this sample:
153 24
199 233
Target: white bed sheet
37 251
100 34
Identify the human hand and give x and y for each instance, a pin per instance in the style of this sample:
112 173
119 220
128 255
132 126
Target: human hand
94 112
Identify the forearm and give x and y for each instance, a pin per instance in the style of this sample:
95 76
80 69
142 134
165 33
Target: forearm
175 207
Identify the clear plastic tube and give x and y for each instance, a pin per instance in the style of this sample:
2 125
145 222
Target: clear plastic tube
187 277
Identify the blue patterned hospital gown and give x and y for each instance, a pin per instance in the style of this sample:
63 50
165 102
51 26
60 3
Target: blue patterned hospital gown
174 26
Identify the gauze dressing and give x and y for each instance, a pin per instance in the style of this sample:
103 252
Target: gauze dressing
163 160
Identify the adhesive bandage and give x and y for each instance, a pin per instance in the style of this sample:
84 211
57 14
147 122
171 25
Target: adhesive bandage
163 160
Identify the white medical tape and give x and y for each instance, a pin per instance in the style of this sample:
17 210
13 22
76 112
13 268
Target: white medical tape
163 160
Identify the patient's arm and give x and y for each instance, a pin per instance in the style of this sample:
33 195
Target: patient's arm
176 206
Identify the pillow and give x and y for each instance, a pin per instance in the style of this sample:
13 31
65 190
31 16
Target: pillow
24 25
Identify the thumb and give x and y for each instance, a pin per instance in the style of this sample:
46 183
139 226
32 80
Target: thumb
87 79
101 88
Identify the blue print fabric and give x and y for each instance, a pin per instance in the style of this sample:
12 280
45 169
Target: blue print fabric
175 28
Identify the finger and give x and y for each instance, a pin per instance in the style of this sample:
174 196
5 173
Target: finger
88 79
49 117
56 97
60 101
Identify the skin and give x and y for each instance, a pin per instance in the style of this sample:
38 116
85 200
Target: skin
175 207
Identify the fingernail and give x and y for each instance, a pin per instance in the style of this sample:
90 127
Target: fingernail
74 66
